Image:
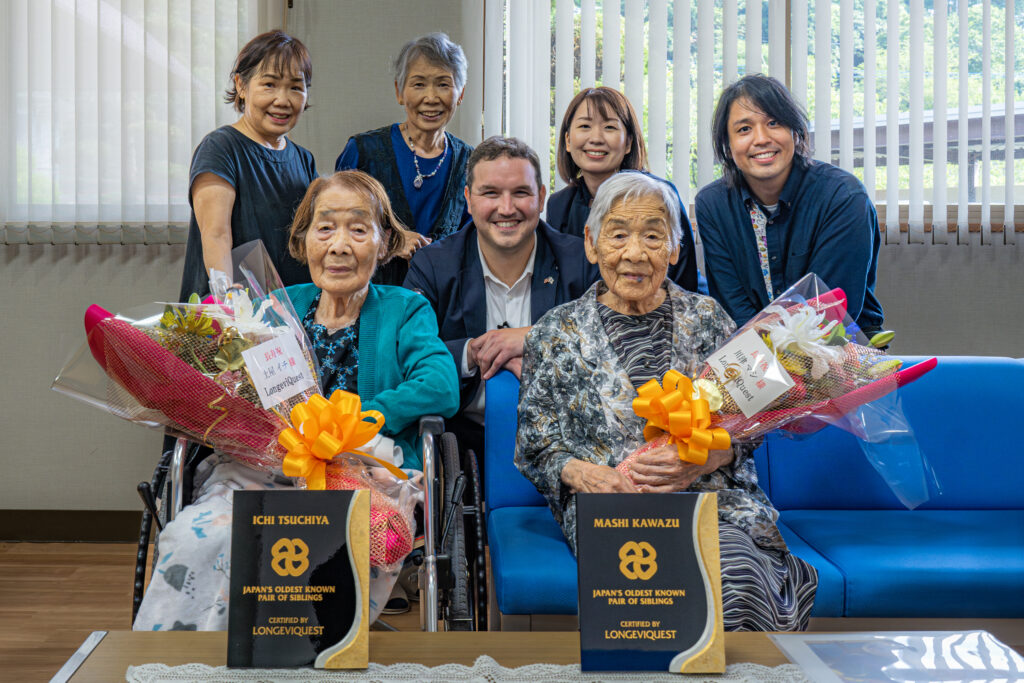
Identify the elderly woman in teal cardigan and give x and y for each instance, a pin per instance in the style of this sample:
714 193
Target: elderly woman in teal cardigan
375 340
378 341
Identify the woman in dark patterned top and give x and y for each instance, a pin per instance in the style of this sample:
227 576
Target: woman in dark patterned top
581 364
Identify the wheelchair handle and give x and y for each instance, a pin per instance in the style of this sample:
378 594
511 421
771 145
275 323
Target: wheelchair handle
146 494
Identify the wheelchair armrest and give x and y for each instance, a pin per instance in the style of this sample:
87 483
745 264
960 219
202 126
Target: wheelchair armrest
431 424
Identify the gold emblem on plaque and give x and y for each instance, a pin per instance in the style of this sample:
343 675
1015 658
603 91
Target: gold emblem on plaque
290 557
638 560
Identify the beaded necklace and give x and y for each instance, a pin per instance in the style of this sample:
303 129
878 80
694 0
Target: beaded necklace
420 177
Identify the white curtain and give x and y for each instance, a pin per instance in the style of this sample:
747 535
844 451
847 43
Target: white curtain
630 49
941 112
528 87
106 101
941 115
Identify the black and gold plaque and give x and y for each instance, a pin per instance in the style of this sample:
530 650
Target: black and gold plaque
300 564
650 583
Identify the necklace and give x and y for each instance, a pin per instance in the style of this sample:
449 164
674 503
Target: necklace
420 177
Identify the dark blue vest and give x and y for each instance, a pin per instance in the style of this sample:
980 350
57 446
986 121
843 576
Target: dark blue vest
377 157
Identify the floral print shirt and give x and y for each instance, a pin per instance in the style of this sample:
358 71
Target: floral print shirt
759 222
575 401
337 352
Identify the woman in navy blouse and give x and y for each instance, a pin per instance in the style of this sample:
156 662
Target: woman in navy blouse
420 164
600 136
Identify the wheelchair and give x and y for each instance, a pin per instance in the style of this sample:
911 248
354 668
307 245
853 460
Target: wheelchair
452 576
454 581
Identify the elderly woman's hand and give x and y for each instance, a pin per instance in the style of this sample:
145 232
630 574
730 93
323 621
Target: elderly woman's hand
660 470
586 477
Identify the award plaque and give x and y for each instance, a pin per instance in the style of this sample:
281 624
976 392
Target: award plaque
300 564
650 582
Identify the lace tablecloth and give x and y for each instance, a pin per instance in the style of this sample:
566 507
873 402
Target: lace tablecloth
484 670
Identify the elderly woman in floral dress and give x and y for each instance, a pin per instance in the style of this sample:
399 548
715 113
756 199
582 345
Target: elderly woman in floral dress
581 365
374 340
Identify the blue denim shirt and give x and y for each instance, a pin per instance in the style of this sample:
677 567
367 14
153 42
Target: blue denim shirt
825 224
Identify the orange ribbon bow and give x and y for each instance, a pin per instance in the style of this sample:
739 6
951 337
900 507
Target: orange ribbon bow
674 407
323 429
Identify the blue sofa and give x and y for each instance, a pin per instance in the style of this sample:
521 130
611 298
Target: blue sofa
960 554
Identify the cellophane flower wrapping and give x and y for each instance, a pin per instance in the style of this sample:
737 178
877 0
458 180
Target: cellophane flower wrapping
192 367
392 504
802 363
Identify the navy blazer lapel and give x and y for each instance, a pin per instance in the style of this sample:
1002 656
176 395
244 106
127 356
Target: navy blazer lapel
474 301
545 281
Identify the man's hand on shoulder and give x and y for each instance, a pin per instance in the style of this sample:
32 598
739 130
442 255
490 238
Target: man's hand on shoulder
497 349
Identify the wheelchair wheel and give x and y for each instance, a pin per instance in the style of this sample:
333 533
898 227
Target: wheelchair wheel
159 508
476 540
457 610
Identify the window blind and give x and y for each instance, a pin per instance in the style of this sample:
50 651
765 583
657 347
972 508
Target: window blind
914 98
107 99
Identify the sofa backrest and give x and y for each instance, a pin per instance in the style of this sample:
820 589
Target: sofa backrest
504 485
965 415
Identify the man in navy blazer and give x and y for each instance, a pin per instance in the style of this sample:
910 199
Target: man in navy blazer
493 279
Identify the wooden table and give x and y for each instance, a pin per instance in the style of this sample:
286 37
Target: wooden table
120 649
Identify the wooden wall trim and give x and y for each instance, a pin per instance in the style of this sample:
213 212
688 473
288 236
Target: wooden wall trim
95 526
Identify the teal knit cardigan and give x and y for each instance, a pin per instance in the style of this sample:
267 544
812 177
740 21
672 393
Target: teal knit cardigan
405 370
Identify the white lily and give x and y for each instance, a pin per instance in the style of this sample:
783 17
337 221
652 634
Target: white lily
248 320
803 330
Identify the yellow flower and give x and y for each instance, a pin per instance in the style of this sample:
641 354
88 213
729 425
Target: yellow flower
188 319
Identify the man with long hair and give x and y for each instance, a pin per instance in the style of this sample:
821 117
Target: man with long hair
776 214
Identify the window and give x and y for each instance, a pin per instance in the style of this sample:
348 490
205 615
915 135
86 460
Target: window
108 98
951 90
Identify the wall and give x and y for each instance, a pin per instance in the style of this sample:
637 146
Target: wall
954 300
353 46
57 453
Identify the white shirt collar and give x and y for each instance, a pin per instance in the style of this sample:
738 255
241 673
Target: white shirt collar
527 272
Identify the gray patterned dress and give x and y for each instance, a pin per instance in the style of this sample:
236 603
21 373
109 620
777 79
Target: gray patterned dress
575 401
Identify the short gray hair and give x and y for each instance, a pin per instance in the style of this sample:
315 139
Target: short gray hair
632 185
437 49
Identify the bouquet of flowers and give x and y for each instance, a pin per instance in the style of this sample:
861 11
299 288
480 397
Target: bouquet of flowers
798 365
323 447
191 369
237 373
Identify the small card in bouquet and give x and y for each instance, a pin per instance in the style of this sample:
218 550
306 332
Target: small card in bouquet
299 579
747 369
650 582
278 370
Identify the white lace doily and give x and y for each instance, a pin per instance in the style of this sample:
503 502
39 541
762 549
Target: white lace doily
484 670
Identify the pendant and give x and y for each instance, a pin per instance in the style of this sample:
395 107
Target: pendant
418 182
